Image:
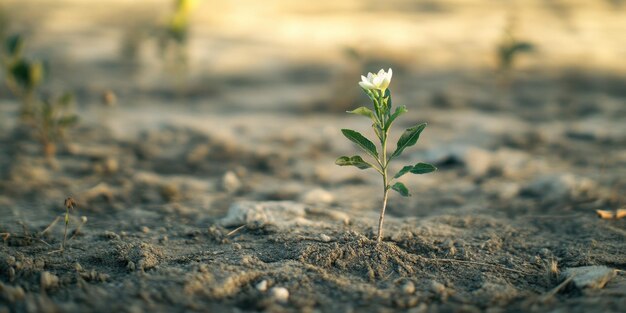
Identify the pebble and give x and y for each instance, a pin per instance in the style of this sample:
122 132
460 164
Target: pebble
279 213
261 286
559 186
111 235
230 182
437 287
325 238
592 277
279 294
408 287
11 294
48 280
318 196
477 161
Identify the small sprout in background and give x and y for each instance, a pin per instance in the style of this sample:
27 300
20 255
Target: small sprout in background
178 25
508 50
22 76
173 41
109 98
69 203
342 94
51 119
376 88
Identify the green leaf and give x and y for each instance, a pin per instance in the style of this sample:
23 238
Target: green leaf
66 99
364 111
378 131
37 72
401 189
388 102
68 121
14 45
21 72
403 171
353 161
408 138
399 111
361 141
523 47
423 168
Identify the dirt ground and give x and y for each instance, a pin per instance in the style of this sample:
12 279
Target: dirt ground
160 176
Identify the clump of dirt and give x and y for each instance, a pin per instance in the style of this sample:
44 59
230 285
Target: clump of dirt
139 256
362 257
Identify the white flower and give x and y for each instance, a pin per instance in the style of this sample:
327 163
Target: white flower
378 81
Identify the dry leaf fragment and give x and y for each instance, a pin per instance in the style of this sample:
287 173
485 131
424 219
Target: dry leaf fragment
620 213
605 214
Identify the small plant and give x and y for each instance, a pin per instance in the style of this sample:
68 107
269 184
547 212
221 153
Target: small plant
509 48
376 88
51 119
22 76
48 118
173 39
69 203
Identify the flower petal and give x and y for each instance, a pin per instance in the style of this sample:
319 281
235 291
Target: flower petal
366 85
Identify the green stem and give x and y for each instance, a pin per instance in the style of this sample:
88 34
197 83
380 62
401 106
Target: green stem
67 222
383 163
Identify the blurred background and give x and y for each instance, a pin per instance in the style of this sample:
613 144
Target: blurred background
308 55
535 86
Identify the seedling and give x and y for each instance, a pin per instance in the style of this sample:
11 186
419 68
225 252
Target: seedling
51 120
376 88
173 41
69 203
22 76
509 48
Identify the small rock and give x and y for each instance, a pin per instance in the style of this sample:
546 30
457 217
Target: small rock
560 186
111 166
230 182
48 280
280 294
318 196
10 293
279 213
109 98
325 238
592 277
477 161
437 287
261 286
170 192
111 235
408 287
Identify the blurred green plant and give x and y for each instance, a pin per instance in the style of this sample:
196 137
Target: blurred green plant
22 76
51 119
173 40
376 88
508 50
48 118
